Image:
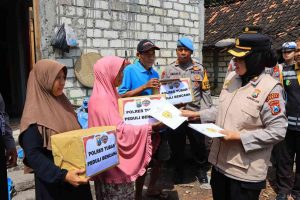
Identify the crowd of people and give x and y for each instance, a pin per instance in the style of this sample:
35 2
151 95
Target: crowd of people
258 109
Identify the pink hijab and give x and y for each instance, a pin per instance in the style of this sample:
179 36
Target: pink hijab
134 142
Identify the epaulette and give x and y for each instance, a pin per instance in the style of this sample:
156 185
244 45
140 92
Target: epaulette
174 62
196 62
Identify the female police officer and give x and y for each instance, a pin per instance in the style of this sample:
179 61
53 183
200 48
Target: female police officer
251 111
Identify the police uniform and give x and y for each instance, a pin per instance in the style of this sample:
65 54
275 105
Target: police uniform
256 111
286 150
202 100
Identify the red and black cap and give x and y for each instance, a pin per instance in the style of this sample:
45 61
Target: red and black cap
145 45
247 43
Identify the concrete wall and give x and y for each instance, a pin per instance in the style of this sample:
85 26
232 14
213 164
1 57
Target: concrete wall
113 26
216 67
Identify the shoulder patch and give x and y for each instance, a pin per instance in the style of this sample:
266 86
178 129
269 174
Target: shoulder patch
272 96
226 84
275 107
205 82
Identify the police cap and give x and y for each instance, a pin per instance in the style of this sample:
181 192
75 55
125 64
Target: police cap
247 43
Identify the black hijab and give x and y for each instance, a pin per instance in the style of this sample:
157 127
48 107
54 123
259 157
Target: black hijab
256 62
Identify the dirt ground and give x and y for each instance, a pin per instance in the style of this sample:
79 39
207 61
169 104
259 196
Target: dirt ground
191 189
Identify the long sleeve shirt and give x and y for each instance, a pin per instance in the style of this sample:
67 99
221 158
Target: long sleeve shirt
39 158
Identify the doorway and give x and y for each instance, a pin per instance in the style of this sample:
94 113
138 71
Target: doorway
14 53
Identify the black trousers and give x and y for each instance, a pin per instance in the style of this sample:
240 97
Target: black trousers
3 172
284 154
225 188
177 141
63 191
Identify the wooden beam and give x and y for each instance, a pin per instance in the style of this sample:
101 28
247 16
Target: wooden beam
31 38
37 29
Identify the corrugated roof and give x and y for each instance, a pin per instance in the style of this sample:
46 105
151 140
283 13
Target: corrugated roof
279 18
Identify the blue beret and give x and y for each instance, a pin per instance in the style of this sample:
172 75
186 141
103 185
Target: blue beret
185 42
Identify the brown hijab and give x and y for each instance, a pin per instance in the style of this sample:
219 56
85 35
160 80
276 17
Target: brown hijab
52 114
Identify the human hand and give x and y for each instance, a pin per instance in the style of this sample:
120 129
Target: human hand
11 157
230 135
152 83
191 115
73 177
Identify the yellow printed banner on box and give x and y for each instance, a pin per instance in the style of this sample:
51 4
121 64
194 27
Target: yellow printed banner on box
94 149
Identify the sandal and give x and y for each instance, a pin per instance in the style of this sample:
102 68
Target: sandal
157 193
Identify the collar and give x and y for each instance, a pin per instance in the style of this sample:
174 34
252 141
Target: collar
286 65
254 81
141 68
189 65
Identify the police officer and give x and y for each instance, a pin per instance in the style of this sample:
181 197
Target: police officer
288 53
185 67
8 152
286 150
252 113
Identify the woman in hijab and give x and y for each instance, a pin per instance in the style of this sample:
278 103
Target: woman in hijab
134 142
48 112
252 113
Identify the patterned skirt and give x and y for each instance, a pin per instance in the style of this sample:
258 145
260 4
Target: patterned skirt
124 191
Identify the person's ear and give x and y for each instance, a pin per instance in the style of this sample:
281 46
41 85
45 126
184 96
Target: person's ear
138 54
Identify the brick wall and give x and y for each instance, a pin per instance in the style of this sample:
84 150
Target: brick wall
217 68
110 27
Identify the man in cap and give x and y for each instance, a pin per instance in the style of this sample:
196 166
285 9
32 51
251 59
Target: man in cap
285 151
141 79
186 67
8 152
288 53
